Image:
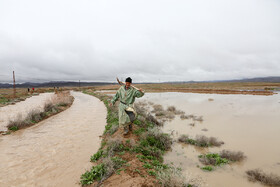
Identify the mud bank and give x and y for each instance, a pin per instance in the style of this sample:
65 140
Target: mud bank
135 159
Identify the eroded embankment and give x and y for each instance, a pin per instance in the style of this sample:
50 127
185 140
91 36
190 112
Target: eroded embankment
133 160
55 151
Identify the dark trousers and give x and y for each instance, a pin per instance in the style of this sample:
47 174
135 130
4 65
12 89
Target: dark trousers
131 115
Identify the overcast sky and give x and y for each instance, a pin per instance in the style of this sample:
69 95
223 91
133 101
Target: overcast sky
148 40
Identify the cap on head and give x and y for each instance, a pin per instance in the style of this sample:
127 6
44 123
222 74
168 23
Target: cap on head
128 79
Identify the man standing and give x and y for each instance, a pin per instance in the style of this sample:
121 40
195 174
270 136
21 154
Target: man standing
127 95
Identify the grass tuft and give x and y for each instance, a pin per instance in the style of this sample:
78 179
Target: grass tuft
213 159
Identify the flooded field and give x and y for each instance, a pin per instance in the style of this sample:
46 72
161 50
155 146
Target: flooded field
56 151
245 123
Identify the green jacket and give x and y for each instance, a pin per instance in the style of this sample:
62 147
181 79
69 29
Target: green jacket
127 98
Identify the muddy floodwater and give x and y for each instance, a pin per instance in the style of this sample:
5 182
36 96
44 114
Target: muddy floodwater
22 108
56 151
246 123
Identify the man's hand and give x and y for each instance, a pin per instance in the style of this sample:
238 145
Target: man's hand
140 90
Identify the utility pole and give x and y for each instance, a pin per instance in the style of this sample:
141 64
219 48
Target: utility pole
14 84
79 85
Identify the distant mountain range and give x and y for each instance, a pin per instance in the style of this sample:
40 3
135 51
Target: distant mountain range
76 84
54 84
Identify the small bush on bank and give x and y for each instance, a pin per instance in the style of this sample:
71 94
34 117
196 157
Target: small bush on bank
172 177
95 173
35 115
96 156
155 137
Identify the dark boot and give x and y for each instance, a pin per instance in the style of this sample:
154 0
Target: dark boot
130 127
125 131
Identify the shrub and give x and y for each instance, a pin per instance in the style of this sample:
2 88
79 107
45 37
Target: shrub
267 179
171 177
155 137
233 156
183 116
153 120
171 109
35 116
114 145
212 159
157 108
95 173
96 156
200 140
18 123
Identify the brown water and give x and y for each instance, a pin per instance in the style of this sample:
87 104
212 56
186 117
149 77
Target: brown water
56 151
22 108
246 123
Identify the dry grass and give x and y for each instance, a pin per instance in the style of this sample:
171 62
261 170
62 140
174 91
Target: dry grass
183 117
198 118
166 115
164 139
208 161
200 140
62 99
18 122
172 177
113 145
223 158
232 155
267 179
34 116
157 108
219 88
183 138
152 119
171 109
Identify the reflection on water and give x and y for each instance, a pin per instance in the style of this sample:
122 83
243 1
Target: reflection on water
56 151
245 123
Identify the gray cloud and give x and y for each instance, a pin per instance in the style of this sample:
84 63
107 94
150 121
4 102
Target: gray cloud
158 40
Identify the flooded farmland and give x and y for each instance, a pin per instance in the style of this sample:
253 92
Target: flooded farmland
56 151
245 123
